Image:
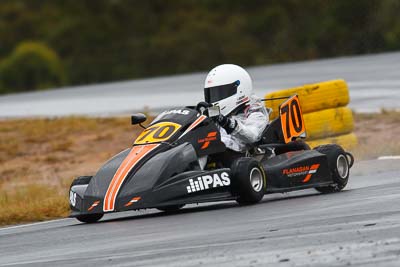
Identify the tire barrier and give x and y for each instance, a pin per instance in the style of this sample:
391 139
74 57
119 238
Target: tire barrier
313 97
329 122
326 115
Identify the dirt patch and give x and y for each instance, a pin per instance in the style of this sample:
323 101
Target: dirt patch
378 134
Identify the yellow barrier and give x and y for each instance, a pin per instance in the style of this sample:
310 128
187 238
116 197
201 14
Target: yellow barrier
313 97
329 122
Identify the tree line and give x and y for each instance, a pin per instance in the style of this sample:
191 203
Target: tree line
51 43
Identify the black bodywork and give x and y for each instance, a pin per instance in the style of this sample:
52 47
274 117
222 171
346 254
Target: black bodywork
171 174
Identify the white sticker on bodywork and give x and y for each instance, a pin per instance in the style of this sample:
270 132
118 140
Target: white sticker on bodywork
208 181
72 198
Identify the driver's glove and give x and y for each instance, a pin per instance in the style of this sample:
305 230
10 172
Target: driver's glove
228 124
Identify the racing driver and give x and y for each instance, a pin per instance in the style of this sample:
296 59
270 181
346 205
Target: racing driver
243 117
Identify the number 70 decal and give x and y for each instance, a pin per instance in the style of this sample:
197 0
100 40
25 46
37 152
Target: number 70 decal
158 132
292 119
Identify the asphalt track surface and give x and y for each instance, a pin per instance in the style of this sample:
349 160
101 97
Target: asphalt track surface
359 226
374 82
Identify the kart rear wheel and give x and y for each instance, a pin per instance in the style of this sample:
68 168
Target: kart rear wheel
248 180
339 167
171 208
89 218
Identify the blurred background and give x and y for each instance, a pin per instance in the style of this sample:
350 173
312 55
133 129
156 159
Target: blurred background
55 43
49 137
104 59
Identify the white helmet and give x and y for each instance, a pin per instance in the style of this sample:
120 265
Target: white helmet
228 86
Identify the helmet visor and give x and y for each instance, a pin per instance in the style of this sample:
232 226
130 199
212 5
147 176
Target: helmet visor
217 93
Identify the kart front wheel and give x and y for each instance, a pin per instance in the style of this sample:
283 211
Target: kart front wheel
339 167
248 180
89 218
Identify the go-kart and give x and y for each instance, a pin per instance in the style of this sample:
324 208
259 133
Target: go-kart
179 159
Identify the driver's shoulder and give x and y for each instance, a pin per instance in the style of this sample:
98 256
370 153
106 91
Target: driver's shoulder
255 105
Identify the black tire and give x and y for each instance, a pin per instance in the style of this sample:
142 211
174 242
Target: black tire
89 218
81 180
339 167
303 145
248 180
171 208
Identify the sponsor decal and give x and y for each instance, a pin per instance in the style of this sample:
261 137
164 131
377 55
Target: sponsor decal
175 111
208 181
211 136
133 200
313 169
302 170
296 171
95 204
158 132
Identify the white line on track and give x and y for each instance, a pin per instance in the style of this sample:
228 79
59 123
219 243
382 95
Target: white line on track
388 157
30 224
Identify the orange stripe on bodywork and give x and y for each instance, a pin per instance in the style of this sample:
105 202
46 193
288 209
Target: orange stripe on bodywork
314 166
134 156
128 204
308 177
133 200
212 134
94 205
205 145
210 137
194 124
